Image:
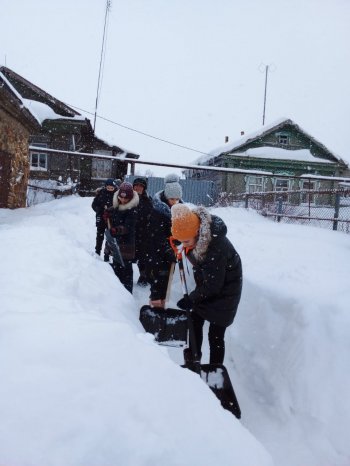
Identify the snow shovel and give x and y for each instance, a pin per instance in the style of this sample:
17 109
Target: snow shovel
113 245
169 326
214 375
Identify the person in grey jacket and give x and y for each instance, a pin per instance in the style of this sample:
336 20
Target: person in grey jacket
159 254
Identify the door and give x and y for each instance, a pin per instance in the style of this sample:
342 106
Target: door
5 166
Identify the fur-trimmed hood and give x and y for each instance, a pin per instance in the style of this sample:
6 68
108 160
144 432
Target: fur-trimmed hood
160 204
211 228
133 203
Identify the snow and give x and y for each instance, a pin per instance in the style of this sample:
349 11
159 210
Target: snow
46 190
283 154
82 384
43 112
3 77
39 110
262 152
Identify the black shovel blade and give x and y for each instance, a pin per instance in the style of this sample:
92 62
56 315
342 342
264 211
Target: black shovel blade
217 378
169 326
114 247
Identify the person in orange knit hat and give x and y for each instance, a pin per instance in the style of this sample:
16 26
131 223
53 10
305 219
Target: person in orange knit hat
217 271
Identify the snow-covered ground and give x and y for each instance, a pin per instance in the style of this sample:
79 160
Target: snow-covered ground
83 385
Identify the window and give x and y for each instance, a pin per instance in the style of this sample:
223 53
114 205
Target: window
101 168
254 184
308 197
283 139
38 161
282 184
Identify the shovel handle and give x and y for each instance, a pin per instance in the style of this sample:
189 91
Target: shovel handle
192 337
182 276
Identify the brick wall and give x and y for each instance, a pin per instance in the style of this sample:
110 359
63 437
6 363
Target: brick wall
14 143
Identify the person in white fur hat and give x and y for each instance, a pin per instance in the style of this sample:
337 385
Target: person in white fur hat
159 252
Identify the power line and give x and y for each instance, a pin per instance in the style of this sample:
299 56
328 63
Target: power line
141 132
102 56
187 166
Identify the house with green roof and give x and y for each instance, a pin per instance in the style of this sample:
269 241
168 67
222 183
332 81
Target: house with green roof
278 157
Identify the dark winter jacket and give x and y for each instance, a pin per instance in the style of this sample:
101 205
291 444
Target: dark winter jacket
123 219
159 252
103 200
144 210
217 271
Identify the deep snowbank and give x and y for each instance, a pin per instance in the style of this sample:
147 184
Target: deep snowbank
290 342
81 383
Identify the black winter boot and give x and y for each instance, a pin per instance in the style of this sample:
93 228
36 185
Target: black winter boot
188 356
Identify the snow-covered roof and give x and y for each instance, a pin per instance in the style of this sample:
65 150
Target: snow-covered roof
16 100
43 107
303 155
122 153
44 112
292 155
39 103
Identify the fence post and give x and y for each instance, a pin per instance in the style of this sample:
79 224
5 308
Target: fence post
279 208
246 201
336 211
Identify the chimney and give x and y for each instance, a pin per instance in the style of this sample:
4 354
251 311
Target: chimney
242 133
226 139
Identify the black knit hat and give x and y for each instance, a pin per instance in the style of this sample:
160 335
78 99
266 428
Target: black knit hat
110 182
141 181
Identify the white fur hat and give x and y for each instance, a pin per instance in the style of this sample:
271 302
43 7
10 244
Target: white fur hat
172 189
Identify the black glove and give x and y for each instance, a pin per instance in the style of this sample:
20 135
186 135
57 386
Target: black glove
106 215
170 255
185 303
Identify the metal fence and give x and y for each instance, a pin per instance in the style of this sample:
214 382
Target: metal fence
194 191
325 208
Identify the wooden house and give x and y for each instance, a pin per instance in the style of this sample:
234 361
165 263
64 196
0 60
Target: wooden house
16 126
63 128
290 157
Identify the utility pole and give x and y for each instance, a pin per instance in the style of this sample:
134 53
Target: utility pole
266 68
266 73
99 82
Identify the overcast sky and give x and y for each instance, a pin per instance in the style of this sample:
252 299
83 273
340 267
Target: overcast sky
188 71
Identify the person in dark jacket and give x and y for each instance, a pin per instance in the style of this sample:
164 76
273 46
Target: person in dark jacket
160 255
102 201
107 253
142 226
123 217
217 271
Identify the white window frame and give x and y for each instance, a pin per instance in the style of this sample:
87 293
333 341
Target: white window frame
41 156
283 139
283 188
307 198
255 183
